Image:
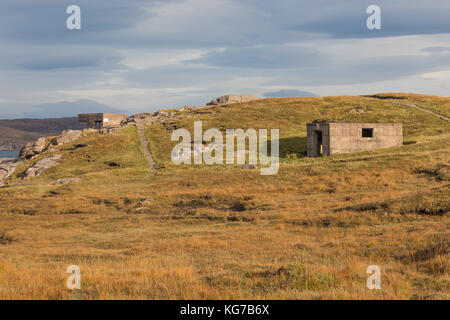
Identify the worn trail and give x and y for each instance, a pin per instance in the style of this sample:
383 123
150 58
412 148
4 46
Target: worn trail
424 110
144 142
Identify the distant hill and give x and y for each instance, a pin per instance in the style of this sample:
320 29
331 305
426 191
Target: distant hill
15 133
68 109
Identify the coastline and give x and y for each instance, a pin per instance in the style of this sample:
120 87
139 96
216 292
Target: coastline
9 146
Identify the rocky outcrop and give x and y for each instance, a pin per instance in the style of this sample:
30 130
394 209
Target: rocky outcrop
67 136
7 168
33 148
188 108
42 165
229 99
40 146
163 113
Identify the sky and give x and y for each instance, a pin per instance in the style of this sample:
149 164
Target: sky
143 55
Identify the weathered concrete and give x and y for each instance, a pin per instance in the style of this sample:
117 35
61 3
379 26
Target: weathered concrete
325 139
101 120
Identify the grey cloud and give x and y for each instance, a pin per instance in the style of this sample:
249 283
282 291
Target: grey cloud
44 21
364 70
43 57
347 19
436 49
249 44
301 70
231 23
262 57
68 62
173 76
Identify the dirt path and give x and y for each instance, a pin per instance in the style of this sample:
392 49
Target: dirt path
424 110
144 142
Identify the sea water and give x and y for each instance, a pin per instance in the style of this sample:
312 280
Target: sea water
9 154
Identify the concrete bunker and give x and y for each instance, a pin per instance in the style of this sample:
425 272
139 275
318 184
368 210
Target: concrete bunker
101 120
330 138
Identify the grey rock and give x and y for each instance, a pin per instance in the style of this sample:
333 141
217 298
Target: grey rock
42 165
229 99
67 180
162 113
141 210
33 148
67 136
7 168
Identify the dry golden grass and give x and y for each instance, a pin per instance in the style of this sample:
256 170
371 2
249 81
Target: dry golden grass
219 232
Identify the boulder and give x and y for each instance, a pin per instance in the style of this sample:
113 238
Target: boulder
162 113
42 165
33 148
67 136
229 99
67 180
128 121
143 116
187 108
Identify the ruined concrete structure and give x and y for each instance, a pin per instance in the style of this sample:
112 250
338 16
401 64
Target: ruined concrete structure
330 138
101 120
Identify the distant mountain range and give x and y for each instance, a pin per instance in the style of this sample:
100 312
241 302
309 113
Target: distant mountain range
68 109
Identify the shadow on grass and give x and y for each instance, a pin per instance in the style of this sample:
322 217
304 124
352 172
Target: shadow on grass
293 146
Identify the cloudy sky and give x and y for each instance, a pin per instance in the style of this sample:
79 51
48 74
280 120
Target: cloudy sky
142 55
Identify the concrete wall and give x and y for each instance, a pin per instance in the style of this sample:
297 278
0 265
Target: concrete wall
100 120
312 140
113 119
347 137
91 119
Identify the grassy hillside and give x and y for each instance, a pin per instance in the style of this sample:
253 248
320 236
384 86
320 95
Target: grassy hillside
202 232
290 116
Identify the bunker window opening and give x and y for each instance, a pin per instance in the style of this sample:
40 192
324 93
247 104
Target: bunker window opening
367 132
